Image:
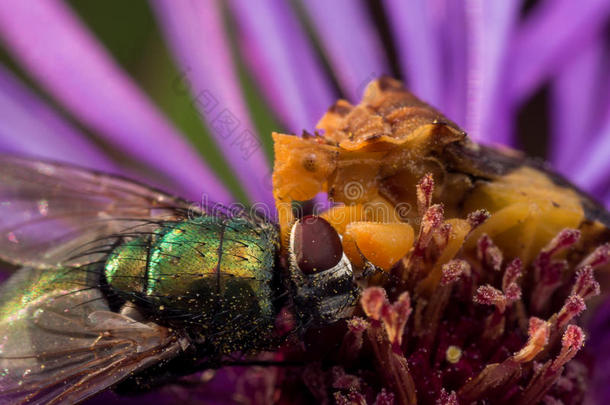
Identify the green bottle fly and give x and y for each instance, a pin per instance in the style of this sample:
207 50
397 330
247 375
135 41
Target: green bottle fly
124 286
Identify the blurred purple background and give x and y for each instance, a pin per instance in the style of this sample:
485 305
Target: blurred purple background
184 95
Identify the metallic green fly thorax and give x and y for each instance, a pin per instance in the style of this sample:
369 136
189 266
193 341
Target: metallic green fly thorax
209 273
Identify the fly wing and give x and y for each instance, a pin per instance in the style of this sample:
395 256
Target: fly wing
53 214
59 342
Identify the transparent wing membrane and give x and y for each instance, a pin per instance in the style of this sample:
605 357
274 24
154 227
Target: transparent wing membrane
59 342
53 214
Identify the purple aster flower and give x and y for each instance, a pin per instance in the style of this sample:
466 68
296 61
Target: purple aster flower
533 75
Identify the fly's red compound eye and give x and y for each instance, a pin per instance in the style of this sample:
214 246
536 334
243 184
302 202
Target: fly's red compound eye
316 245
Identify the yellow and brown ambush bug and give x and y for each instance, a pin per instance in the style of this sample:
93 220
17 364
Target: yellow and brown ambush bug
481 251
369 158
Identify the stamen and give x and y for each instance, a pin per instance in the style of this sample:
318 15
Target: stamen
512 293
432 219
453 270
442 235
375 303
488 253
488 295
563 240
395 318
586 286
512 273
538 337
425 188
431 223
512 290
598 257
548 278
573 307
373 300
573 340
476 218
547 273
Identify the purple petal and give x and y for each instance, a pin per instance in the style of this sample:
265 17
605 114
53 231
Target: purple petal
196 34
575 105
593 169
64 57
598 348
283 61
29 127
490 27
418 47
350 42
549 38
599 390
453 38
591 166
